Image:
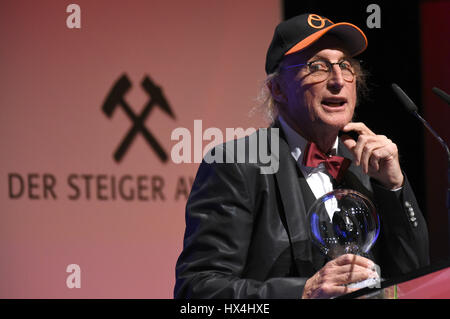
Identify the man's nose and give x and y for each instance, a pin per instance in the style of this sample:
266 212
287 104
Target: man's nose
336 80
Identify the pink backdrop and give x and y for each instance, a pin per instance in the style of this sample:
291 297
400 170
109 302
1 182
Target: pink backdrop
208 58
435 72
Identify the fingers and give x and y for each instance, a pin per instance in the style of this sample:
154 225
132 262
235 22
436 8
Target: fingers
348 269
353 275
333 278
362 148
375 154
370 149
347 274
350 259
328 291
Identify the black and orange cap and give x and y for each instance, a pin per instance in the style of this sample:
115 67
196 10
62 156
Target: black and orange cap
301 31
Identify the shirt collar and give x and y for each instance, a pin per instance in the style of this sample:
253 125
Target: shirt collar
297 145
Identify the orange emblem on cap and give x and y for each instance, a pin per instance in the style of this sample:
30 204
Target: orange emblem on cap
315 17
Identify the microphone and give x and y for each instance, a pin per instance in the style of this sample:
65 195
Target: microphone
441 94
412 108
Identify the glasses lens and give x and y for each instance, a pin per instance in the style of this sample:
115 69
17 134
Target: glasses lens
319 70
347 71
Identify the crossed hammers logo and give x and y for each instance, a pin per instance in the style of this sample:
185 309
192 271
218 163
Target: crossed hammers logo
115 98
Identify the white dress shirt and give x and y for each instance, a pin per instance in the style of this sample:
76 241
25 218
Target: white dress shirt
317 178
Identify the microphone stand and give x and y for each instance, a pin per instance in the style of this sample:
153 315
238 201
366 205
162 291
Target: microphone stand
446 98
411 106
444 145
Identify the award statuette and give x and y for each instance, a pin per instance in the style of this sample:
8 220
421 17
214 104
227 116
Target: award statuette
344 221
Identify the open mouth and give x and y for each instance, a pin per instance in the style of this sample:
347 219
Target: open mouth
335 102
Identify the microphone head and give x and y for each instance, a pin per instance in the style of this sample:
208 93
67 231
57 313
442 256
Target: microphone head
407 102
441 94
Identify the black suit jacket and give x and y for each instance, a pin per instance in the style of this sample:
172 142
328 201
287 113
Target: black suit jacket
247 235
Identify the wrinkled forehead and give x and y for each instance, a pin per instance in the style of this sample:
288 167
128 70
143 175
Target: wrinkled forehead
325 44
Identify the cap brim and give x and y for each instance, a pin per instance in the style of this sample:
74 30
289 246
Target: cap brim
354 40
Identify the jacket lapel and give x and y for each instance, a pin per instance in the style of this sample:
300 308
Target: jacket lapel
290 192
295 201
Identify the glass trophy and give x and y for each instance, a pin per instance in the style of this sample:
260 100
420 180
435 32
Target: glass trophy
344 221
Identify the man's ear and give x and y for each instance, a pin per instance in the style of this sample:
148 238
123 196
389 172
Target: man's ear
277 92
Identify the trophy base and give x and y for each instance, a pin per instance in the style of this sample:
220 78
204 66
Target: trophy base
386 293
370 282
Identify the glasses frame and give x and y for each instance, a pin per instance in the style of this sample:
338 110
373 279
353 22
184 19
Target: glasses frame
329 68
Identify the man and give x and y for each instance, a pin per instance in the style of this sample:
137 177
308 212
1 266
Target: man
247 233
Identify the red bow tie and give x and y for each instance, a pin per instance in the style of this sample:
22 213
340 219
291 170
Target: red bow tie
335 165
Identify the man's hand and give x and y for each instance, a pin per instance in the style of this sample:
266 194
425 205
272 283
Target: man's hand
330 281
377 155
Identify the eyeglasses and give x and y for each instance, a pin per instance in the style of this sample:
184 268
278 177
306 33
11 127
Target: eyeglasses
320 70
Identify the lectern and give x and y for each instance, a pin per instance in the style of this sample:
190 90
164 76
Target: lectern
431 282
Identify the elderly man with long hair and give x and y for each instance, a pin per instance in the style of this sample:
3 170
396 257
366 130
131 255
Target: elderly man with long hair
247 233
